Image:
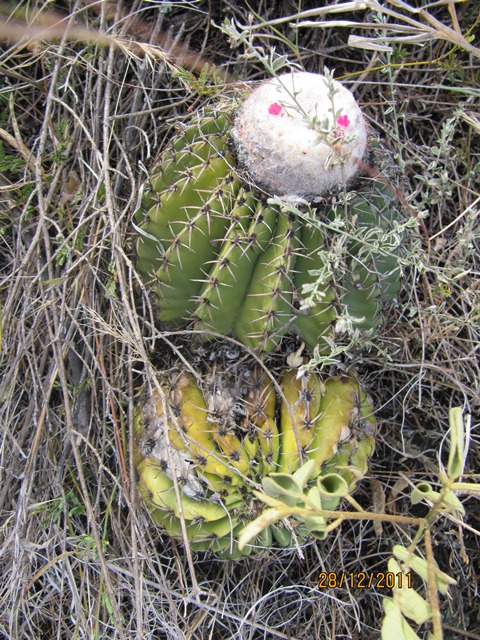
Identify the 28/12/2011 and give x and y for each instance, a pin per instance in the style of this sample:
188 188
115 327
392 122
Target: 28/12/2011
363 580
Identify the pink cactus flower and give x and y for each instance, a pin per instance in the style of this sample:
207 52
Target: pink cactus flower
274 109
343 121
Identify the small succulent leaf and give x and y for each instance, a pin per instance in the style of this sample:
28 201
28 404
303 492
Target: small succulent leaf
304 473
413 606
282 486
314 496
318 535
420 566
332 485
330 504
444 581
264 539
272 491
316 526
394 624
453 505
323 501
450 502
423 491
252 530
459 430
393 566
411 603
471 487
282 534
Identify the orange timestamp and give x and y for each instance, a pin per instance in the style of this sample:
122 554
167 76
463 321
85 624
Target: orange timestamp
363 580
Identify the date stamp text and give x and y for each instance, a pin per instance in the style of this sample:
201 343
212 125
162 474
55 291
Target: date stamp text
363 580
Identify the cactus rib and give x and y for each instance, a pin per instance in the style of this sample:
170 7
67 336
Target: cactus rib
267 311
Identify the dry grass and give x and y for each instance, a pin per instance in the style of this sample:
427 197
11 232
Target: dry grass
84 109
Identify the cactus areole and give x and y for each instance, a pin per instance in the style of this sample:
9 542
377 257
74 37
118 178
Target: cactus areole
300 134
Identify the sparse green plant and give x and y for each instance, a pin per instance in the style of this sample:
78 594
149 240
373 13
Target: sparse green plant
53 510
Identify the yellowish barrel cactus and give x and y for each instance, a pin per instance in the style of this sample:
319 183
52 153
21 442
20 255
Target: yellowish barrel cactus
203 448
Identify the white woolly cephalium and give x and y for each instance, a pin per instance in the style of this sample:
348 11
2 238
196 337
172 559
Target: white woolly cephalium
300 134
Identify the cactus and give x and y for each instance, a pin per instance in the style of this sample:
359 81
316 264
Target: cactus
219 258
221 439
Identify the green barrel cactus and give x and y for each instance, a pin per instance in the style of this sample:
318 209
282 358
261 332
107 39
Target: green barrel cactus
222 258
201 449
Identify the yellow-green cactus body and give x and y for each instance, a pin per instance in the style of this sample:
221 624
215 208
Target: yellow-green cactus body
194 463
299 414
163 496
341 403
